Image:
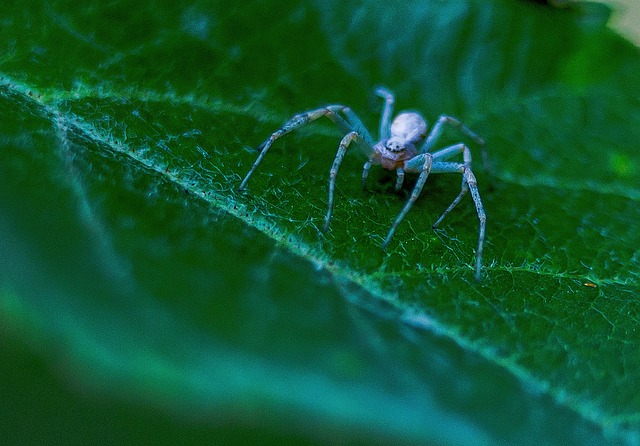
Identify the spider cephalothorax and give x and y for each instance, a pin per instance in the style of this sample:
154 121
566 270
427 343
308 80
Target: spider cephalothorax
403 146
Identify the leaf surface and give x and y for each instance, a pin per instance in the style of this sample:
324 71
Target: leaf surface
132 268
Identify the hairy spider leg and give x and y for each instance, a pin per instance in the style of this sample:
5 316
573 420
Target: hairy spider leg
342 149
469 184
422 163
436 131
387 110
331 112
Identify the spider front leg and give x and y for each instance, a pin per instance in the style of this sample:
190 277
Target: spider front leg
333 173
469 184
470 180
367 168
399 178
453 167
365 173
421 163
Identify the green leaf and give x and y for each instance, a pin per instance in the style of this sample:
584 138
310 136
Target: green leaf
137 285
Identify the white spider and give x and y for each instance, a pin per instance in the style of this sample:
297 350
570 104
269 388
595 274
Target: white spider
404 146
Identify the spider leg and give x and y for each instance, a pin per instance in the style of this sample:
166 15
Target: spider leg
424 161
342 149
454 203
470 179
365 173
357 126
384 133
436 131
387 110
331 112
469 184
400 179
455 149
444 167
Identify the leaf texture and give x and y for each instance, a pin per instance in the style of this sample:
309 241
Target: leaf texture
132 269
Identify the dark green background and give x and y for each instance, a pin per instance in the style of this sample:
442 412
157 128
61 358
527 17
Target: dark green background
143 299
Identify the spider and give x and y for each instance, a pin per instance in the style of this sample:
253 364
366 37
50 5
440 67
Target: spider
404 146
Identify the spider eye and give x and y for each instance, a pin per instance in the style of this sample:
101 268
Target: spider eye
394 145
